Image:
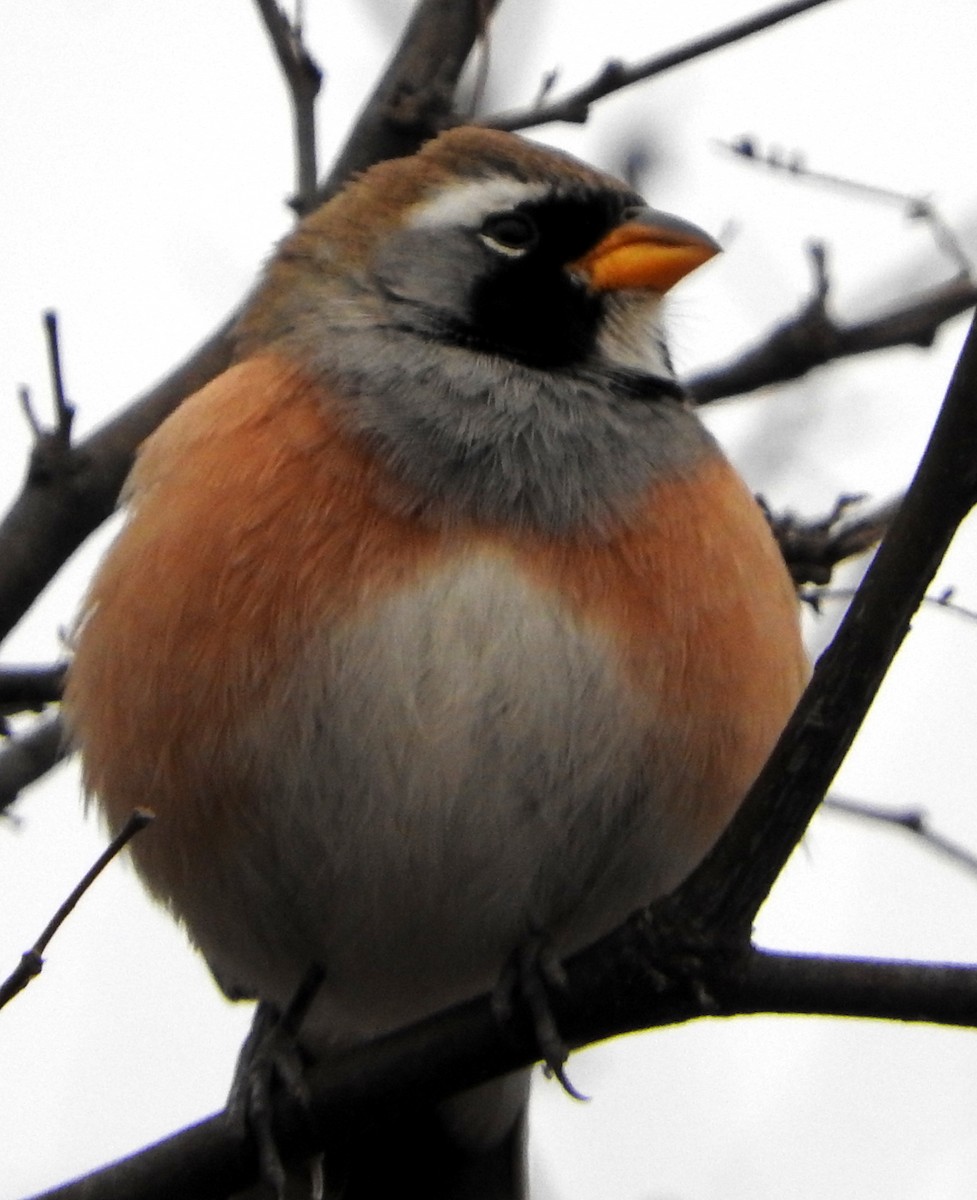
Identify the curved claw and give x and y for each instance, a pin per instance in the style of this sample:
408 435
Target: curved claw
532 973
271 1058
560 1075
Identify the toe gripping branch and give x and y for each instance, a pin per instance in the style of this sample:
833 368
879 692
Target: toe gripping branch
530 976
271 1059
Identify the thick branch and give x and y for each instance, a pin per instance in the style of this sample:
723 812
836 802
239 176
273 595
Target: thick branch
25 757
942 993
25 689
814 338
728 888
466 1045
414 99
575 107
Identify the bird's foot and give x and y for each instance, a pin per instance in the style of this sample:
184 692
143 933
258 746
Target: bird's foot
530 975
271 1060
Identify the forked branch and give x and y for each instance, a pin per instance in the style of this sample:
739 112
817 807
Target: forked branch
615 76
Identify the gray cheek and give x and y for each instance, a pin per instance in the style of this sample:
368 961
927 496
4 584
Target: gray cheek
429 271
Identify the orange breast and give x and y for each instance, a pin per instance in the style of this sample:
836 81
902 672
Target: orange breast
696 594
249 523
255 522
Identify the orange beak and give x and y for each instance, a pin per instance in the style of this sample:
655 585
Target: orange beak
650 250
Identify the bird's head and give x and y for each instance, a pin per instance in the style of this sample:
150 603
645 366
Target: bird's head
486 315
486 242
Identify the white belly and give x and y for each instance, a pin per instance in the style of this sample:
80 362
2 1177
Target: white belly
458 766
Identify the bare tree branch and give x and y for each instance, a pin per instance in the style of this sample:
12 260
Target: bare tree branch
57 510
63 500
943 993
917 208
25 757
24 689
304 78
32 960
728 888
467 1045
813 338
65 412
813 548
414 98
912 820
817 595
614 76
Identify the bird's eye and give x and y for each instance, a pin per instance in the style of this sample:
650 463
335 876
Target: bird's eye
510 233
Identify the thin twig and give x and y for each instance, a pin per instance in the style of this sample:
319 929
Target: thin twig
816 596
546 86
64 411
794 164
32 960
303 76
52 456
813 548
30 416
917 208
912 820
297 1009
614 76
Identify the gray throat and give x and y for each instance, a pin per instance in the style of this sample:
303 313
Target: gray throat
495 441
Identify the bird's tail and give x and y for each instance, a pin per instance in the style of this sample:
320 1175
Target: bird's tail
472 1147
411 1153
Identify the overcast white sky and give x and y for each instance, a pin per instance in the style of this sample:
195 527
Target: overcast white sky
146 152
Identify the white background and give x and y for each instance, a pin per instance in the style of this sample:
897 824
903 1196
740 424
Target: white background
146 154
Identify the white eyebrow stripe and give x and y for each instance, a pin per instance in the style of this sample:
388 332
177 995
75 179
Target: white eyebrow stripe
468 203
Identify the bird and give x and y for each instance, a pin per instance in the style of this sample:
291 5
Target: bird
438 623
